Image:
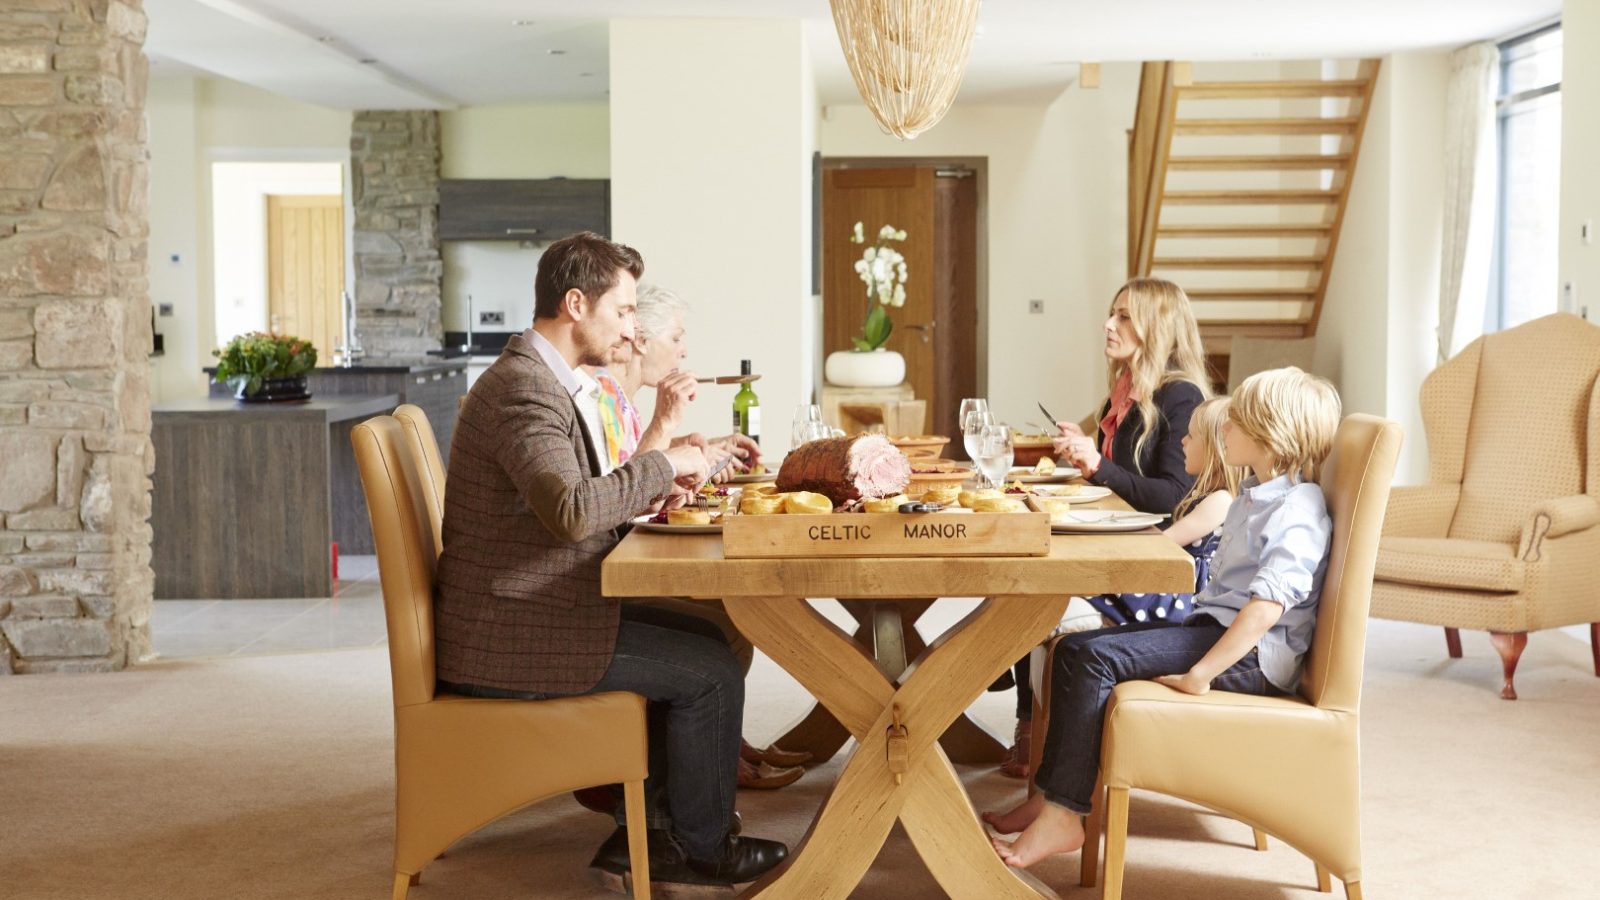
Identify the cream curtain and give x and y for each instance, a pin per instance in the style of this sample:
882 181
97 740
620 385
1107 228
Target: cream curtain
1470 162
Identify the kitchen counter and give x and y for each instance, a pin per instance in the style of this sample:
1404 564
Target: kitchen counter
251 498
433 383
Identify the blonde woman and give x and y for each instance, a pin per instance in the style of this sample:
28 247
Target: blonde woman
1196 520
1155 377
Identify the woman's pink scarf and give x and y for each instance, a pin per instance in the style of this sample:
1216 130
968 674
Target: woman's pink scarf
1117 410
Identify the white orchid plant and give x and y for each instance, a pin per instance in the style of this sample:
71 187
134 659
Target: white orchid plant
883 269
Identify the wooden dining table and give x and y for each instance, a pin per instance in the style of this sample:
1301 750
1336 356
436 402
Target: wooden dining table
898 771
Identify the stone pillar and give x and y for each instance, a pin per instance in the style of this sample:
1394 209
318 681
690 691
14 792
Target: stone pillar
394 174
75 453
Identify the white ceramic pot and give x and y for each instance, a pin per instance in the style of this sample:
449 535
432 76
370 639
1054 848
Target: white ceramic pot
875 368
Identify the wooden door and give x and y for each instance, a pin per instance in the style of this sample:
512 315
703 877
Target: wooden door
936 330
305 269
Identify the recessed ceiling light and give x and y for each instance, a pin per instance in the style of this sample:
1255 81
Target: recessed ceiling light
326 39
368 61
523 22
554 52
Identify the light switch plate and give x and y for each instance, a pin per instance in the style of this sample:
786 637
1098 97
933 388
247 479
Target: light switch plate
1036 306
491 317
163 309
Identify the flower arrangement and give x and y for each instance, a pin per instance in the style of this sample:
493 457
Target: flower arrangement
251 359
883 269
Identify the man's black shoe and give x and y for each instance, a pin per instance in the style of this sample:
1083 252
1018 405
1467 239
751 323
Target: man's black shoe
742 859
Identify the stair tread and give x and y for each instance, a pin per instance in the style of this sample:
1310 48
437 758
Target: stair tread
1267 125
1263 230
1261 161
1244 196
1209 293
1285 88
1237 262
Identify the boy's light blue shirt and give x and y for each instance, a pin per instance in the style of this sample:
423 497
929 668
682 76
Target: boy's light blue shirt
1274 546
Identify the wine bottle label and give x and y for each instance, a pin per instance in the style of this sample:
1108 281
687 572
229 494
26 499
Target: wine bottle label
753 423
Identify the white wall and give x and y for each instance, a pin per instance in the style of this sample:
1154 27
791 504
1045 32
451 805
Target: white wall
530 141
239 193
1376 339
1580 134
710 181
1056 213
193 123
174 232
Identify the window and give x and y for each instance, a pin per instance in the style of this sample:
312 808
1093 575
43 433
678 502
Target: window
1523 274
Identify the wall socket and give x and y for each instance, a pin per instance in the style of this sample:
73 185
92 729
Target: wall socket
163 309
491 317
1036 307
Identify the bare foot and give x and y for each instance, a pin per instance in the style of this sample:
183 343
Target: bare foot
1054 830
1017 818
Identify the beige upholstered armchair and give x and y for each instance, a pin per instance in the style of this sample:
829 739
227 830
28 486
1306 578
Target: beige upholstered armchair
1505 536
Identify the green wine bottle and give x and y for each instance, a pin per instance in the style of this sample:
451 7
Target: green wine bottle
747 407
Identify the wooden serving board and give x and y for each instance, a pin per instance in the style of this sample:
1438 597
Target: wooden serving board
886 534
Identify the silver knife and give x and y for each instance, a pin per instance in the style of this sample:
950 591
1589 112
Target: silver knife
1053 419
720 466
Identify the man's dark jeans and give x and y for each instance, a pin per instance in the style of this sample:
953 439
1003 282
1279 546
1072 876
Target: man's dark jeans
1088 664
682 665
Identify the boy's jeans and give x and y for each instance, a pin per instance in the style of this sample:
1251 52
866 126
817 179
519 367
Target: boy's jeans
1089 664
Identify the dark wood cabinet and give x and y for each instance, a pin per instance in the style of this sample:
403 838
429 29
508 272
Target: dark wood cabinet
542 210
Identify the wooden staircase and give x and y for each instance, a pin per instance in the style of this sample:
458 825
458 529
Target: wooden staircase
1237 190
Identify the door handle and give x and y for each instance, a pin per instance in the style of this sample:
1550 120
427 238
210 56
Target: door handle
926 329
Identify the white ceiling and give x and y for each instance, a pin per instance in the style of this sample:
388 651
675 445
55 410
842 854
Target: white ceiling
441 53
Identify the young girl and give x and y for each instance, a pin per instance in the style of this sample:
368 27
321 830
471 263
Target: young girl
1250 627
1196 520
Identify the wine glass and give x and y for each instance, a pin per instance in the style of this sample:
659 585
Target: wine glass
994 453
804 415
971 430
969 406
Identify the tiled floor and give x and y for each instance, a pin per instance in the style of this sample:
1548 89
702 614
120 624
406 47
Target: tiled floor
353 617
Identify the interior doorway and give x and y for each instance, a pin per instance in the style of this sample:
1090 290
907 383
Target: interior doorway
305 268
938 205
242 251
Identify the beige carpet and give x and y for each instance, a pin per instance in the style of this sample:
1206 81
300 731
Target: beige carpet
270 777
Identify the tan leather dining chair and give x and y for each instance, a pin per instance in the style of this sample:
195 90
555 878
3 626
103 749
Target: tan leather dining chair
1288 766
463 762
425 446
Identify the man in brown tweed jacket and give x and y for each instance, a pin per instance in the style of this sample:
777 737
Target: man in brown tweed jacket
529 518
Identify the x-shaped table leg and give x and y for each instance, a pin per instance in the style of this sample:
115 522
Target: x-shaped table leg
887 628
928 797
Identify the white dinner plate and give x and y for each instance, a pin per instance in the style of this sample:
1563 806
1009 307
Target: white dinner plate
1085 493
1025 475
1093 520
644 523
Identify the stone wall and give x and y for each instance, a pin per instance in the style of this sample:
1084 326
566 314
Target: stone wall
75 453
394 173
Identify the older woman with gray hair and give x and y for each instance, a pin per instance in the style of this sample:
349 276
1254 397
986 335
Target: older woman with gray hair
652 360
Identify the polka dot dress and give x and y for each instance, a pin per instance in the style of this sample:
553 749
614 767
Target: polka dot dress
1126 608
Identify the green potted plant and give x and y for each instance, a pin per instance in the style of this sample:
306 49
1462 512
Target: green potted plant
882 269
263 367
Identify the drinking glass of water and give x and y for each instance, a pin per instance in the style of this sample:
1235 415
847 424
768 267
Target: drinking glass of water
972 436
804 415
994 453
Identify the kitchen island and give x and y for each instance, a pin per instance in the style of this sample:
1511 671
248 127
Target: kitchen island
431 382
250 497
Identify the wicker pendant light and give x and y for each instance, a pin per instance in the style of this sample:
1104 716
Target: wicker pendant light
907 57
